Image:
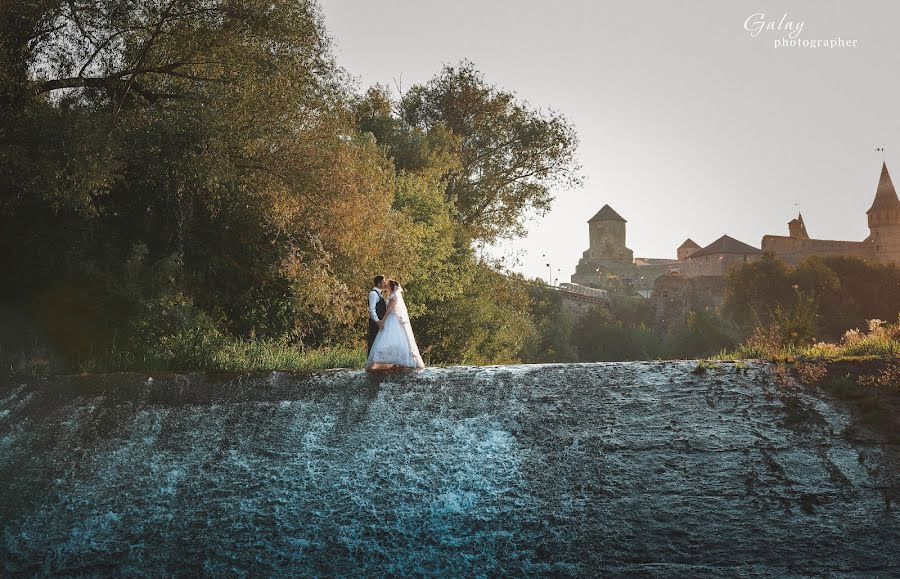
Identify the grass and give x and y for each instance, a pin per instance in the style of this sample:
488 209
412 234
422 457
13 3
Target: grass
226 356
258 355
880 340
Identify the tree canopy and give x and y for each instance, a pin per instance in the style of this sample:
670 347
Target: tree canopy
204 169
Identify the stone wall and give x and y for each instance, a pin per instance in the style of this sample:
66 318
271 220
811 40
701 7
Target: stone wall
793 250
620 278
579 305
675 295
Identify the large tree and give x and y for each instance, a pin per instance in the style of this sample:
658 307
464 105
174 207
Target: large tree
511 156
205 141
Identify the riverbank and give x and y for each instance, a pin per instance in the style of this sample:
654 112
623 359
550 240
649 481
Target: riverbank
868 386
861 370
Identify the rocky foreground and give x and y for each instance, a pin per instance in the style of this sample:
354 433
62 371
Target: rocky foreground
594 469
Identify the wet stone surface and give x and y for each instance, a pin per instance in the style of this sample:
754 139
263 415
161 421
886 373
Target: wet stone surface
597 469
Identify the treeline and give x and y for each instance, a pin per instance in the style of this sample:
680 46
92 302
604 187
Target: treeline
778 306
182 179
769 307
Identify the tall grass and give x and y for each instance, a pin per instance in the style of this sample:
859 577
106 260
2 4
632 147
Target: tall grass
878 340
229 355
261 355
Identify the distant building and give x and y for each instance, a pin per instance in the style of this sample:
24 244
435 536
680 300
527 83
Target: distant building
580 300
882 244
884 221
686 249
717 257
674 296
608 264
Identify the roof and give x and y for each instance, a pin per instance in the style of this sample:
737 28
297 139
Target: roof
689 244
606 214
726 244
885 195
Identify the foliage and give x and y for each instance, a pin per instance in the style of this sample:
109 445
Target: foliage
880 340
632 311
488 323
844 292
755 289
704 333
510 155
598 337
553 327
179 180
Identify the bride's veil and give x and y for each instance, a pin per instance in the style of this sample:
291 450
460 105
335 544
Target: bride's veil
400 309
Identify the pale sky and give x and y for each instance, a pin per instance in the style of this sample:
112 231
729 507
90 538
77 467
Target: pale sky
689 127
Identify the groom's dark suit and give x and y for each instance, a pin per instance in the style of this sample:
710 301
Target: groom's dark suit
376 311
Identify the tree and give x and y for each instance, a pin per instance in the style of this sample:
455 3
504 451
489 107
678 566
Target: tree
510 155
489 323
753 290
182 174
598 337
553 327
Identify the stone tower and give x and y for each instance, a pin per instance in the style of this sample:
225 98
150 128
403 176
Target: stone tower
687 249
797 228
607 237
884 221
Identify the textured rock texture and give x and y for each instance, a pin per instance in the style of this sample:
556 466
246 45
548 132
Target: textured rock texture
596 469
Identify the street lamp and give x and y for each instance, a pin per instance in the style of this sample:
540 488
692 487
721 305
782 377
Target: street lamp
549 269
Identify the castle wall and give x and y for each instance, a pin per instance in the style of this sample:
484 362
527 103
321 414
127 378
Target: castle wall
793 250
686 252
578 305
674 296
618 277
712 265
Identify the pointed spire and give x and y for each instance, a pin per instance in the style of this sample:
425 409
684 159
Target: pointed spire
885 195
797 228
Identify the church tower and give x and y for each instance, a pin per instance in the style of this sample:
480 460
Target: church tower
607 237
884 220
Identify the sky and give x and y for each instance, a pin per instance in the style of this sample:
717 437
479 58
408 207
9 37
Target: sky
690 125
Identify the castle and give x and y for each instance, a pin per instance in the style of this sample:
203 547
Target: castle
882 244
608 264
696 275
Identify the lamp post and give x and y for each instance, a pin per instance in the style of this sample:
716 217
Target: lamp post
549 269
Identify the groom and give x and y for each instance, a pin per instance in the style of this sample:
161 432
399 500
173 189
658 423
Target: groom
377 307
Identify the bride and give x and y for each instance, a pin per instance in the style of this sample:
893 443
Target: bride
394 346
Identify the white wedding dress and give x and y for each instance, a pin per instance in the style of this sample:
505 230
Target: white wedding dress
395 344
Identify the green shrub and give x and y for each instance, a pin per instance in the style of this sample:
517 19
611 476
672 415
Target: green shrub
598 337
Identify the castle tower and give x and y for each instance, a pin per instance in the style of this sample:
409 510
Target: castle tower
884 220
686 249
607 237
797 228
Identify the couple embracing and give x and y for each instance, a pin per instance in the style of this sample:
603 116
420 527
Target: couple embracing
391 344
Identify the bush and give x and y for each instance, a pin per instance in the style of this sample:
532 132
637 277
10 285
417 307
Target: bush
597 337
879 340
704 333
